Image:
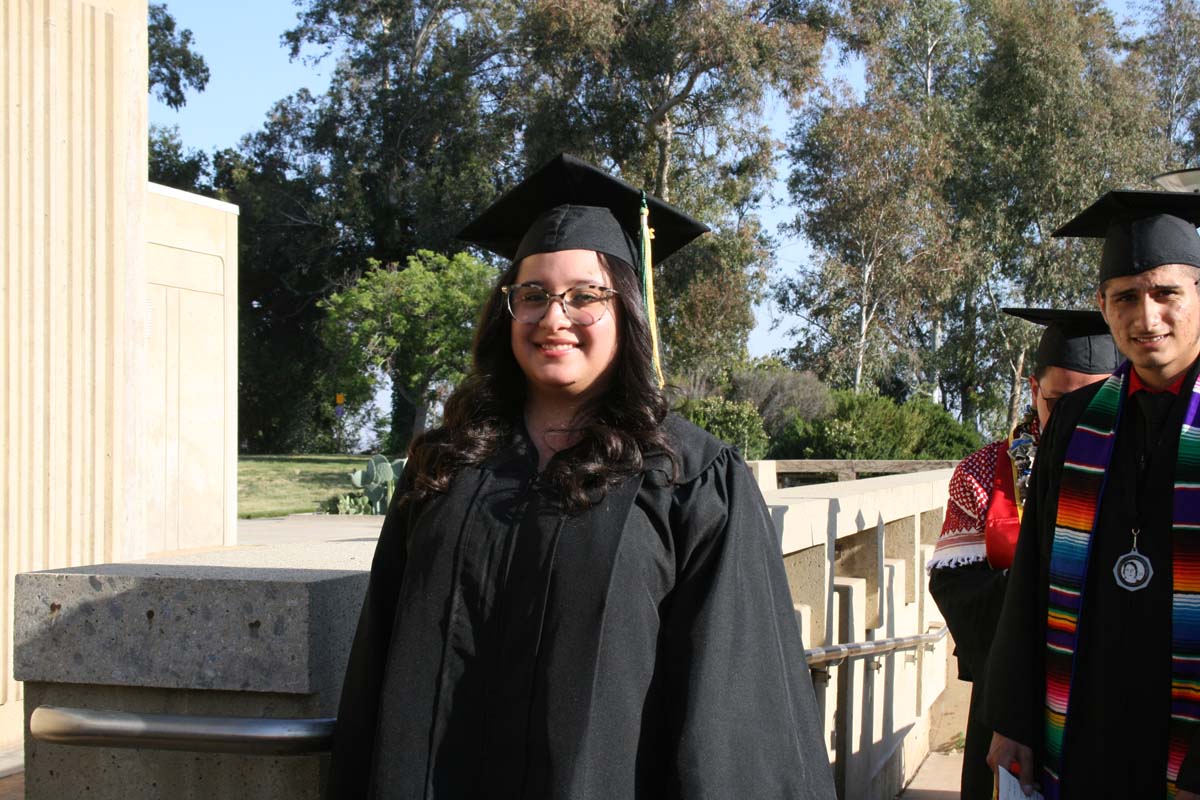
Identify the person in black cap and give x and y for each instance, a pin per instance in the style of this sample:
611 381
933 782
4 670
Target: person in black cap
969 566
576 595
1092 675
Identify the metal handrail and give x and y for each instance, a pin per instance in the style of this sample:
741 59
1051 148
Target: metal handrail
198 734
835 653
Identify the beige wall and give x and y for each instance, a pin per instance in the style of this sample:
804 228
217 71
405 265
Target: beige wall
191 405
73 299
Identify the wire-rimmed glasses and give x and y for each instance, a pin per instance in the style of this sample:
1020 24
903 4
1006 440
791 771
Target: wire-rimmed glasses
583 305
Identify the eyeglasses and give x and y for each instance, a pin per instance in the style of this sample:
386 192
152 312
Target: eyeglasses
583 305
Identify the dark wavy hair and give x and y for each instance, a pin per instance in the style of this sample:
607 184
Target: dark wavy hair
617 431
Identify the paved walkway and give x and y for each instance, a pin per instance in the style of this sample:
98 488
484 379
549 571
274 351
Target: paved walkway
938 777
13 787
300 528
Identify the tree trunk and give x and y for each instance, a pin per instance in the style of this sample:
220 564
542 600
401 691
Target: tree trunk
1016 392
860 357
420 418
970 405
935 375
662 171
403 418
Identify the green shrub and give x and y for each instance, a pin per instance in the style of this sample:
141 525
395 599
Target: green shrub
348 504
781 395
737 423
942 436
867 426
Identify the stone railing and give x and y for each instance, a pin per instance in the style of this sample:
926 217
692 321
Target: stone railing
264 632
855 555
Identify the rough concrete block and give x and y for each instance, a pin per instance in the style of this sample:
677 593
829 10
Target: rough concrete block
258 632
861 556
248 624
809 573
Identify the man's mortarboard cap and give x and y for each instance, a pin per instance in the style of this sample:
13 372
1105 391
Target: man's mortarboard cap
1074 340
1141 230
568 204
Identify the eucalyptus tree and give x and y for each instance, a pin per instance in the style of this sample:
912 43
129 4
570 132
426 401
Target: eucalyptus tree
1170 49
865 183
1059 116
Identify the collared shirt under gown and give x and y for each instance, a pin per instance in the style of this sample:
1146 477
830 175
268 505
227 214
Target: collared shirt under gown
1116 739
644 648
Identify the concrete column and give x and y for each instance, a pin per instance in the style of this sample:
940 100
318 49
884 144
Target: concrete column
72 294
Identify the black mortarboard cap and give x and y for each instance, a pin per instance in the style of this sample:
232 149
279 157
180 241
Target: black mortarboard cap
1141 230
568 204
1075 340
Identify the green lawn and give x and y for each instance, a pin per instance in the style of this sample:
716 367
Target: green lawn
272 486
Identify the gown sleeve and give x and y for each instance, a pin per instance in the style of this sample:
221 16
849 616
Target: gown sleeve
739 694
969 595
354 734
1016 663
970 598
1189 770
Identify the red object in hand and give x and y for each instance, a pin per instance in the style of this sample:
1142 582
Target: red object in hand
1015 768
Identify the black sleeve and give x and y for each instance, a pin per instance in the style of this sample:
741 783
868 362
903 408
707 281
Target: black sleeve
740 697
1015 691
970 598
1189 770
354 734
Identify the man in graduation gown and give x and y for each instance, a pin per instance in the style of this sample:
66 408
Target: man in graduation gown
1092 672
969 566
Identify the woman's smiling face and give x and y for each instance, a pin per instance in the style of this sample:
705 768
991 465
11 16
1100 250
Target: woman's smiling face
561 358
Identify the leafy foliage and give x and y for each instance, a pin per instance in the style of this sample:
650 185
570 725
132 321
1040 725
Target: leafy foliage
189 171
414 324
1170 51
875 427
734 422
174 65
780 394
867 183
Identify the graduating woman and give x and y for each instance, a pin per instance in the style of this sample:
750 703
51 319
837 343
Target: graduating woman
577 595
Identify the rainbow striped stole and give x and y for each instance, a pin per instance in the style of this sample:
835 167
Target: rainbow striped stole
1082 486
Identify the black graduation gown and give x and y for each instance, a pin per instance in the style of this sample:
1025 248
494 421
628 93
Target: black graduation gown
644 648
970 598
1116 740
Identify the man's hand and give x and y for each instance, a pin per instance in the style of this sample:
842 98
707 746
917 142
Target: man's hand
1184 795
1006 753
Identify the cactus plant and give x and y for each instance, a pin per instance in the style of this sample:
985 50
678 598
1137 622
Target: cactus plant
377 481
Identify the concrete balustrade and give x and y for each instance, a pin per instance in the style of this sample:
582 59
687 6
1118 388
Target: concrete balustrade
264 631
855 555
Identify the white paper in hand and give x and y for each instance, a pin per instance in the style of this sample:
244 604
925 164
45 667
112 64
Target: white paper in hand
1008 787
